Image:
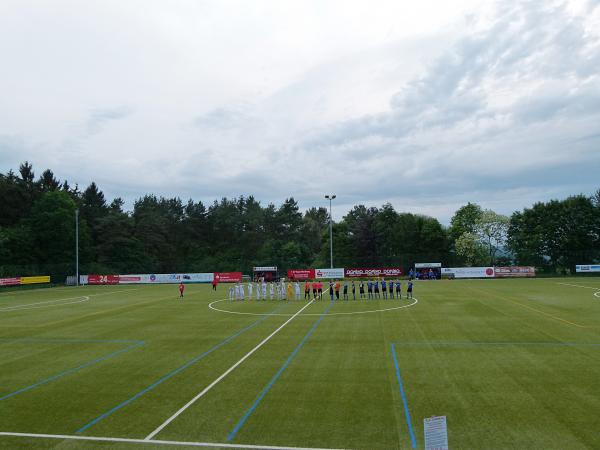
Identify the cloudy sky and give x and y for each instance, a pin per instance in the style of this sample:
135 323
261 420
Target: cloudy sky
425 104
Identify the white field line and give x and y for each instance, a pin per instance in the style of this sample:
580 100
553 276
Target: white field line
580 286
155 442
343 302
227 372
83 298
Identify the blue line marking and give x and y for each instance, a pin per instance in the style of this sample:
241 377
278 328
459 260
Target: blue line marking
406 412
170 374
70 371
68 341
498 344
243 420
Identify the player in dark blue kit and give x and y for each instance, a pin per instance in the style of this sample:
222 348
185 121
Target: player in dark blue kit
399 289
361 288
409 290
376 289
353 290
370 289
391 287
384 288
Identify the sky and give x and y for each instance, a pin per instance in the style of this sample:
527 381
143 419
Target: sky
427 105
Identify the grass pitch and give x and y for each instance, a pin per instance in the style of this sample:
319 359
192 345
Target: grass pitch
511 363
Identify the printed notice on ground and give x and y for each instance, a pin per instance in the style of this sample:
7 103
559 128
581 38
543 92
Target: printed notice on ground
436 433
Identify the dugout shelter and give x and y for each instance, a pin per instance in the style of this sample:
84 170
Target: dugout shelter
267 273
428 271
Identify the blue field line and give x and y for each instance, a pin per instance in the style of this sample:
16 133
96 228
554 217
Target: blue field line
243 420
70 371
69 341
406 412
497 344
171 374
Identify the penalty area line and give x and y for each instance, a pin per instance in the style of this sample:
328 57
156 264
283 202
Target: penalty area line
224 374
154 442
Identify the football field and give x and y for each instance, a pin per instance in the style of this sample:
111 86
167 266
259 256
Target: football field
512 364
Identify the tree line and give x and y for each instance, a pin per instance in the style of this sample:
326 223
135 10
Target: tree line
164 235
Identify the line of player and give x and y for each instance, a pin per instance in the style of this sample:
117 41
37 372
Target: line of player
369 290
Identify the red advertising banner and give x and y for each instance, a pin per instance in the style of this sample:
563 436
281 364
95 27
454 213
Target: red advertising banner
301 274
374 272
10 281
103 279
514 271
228 277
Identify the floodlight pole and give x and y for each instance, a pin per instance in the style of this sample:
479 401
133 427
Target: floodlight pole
330 198
77 247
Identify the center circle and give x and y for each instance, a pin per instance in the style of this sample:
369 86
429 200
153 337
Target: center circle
415 301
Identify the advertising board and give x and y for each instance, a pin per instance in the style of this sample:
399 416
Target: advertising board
427 265
228 277
587 268
13 281
469 272
301 274
35 280
373 272
514 272
102 279
329 273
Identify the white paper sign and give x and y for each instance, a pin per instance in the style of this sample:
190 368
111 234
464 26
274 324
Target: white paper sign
436 433
329 273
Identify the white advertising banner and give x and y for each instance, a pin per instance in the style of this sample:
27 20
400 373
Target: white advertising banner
427 265
469 272
587 268
161 278
329 273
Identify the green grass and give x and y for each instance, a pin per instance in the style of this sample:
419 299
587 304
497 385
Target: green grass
491 355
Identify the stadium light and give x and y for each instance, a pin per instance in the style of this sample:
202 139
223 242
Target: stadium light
77 247
330 198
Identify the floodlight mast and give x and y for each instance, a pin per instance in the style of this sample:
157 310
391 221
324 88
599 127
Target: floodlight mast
330 198
77 247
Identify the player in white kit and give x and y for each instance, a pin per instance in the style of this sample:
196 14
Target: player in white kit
250 286
297 290
272 290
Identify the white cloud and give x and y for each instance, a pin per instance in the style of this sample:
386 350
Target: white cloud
426 105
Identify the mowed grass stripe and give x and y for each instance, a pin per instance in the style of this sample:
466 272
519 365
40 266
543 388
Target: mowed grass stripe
244 418
337 391
169 375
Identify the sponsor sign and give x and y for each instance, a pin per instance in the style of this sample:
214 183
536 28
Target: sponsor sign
265 269
228 277
329 273
134 279
587 268
164 278
427 265
103 279
436 433
35 280
514 272
301 274
469 272
374 272
10 281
